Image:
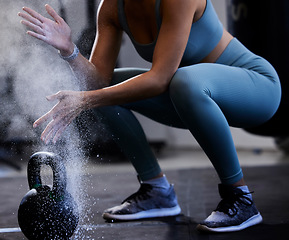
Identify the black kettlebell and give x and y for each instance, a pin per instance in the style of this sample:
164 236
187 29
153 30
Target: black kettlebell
47 213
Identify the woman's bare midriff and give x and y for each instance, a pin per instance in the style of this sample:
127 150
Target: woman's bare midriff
219 49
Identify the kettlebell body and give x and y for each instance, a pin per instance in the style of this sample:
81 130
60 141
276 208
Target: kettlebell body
47 212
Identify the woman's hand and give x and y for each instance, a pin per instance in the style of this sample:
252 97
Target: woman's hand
70 105
55 33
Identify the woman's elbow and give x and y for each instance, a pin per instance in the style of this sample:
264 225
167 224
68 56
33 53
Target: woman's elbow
164 83
161 80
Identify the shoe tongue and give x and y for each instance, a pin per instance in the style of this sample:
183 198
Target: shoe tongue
227 191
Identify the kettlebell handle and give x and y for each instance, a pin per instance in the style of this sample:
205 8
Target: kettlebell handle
55 162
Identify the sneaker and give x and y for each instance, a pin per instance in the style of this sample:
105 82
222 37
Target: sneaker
235 212
147 202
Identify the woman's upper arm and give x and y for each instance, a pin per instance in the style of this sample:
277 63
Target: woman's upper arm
177 18
108 39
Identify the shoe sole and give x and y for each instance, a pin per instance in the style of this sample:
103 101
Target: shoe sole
153 213
256 219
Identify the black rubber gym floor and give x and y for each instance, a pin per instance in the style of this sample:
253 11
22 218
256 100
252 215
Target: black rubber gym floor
197 194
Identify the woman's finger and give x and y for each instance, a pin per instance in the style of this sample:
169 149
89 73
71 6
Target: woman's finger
57 96
62 127
30 25
62 114
53 13
53 113
33 27
30 19
34 14
44 118
37 35
48 132
59 133
48 129
51 129
55 128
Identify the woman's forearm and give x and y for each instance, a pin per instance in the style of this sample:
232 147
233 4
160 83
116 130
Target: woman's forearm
146 85
87 75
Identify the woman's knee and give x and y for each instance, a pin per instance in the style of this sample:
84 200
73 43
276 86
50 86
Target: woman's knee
186 85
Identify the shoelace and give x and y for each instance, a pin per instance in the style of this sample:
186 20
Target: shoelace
141 194
228 204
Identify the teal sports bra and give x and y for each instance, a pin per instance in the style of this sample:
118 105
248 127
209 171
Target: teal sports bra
204 36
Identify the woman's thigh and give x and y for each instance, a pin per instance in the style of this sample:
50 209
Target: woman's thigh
159 108
245 97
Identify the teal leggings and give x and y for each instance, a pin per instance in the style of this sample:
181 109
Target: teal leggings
239 90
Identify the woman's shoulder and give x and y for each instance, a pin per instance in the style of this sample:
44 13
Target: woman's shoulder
108 11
